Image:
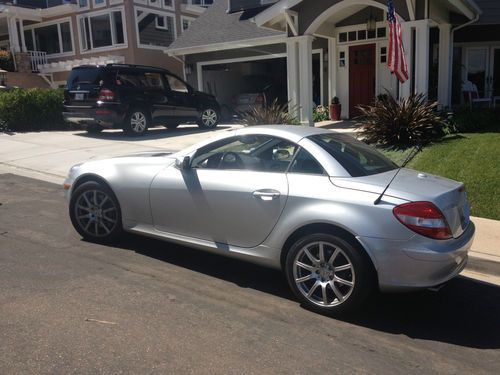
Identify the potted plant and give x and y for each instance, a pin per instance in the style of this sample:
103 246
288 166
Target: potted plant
335 109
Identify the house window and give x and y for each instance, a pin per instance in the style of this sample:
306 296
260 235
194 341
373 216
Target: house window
99 3
52 39
341 59
155 29
352 36
383 55
83 3
186 22
102 30
161 23
202 3
342 37
167 4
381 32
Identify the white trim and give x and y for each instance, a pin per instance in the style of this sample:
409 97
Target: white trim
201 64
113 2
410 4
57 22
167 7
156 12
113 46
245 43
464 9
327 13
165 22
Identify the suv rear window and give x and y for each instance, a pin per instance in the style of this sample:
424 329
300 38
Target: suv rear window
86 76
357 158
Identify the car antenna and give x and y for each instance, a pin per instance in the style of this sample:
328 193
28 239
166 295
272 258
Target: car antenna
412 154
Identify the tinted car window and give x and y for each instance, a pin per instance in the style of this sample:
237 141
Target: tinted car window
357 158
87 76
248 152
130 79
154 80
304 162
176 84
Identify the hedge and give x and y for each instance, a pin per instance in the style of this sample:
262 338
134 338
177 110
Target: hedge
31 110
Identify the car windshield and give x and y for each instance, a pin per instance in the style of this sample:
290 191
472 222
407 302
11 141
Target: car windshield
357 158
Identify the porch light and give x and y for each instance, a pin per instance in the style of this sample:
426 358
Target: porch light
371 23
3 77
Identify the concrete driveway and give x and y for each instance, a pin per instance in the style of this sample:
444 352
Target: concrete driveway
49 155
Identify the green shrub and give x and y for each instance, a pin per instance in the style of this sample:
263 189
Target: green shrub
465 120
320 113
398 125
274 114
32 109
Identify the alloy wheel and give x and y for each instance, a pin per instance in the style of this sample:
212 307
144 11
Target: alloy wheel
96 213
138 122
209 118
324 274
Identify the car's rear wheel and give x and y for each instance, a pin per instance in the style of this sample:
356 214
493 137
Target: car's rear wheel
95 212
208 118
137 122
328 274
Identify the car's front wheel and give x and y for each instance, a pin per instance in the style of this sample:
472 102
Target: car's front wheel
328 274
208 118
136 123
95 212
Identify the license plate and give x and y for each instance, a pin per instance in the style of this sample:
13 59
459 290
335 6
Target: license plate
79 96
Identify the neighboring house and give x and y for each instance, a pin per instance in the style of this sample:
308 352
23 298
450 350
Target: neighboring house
328 48
49 37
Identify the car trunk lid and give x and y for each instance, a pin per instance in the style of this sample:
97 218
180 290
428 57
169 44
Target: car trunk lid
83 87
448 195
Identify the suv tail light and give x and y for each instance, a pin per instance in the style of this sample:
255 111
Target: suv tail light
423 218
106 95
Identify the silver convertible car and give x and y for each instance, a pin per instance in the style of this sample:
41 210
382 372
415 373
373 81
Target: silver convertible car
319 205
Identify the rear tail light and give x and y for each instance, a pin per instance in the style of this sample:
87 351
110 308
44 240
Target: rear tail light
106 95
423 218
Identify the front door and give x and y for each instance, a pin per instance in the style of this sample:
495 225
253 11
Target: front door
361 77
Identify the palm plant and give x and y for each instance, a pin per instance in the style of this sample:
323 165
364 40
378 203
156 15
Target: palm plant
400 124
273 114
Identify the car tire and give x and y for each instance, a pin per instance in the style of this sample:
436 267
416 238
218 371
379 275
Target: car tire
95 212
94 129
208 118
335 283
136 122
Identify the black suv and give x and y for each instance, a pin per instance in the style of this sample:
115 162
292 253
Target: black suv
134 97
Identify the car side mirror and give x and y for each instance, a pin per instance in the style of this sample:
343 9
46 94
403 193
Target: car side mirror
183 162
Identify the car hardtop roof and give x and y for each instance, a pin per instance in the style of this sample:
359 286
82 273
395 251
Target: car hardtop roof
131 66
293 132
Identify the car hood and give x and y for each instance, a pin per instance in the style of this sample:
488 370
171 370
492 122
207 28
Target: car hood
448 195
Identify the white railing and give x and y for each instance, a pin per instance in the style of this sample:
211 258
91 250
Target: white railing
37 58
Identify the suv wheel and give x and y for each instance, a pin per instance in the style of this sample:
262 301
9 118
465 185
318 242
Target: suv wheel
136 123
209 118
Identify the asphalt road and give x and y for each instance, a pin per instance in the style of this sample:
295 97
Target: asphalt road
144 306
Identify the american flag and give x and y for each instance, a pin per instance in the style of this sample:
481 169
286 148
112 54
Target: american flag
397 59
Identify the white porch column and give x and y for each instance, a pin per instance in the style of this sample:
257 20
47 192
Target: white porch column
306 76
292 65
13 34
407 30
444 64
332 69
422 57
21 32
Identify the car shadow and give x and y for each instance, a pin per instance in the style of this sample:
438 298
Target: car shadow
152 134
464 312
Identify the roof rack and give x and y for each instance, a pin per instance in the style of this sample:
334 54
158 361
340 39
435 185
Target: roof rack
136 66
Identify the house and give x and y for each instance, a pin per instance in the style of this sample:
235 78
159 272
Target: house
314 50
49 37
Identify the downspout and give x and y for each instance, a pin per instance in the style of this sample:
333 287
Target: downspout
452 42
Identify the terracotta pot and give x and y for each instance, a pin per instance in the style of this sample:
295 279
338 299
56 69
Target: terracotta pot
335 110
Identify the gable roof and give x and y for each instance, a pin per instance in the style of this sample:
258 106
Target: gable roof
215 28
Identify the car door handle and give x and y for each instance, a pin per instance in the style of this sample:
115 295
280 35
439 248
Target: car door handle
266 194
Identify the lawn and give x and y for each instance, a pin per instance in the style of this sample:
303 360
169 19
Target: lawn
473 158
